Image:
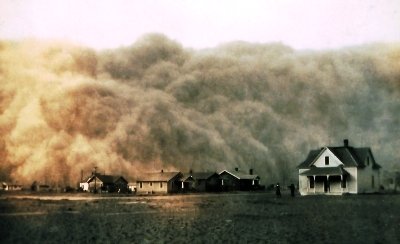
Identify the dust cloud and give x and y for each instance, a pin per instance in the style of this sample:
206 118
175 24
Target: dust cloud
65 109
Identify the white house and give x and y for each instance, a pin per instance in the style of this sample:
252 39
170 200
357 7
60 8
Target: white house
338 170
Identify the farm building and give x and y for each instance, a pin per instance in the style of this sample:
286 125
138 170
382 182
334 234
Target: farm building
201 182
391 180
237 180
5 186
160 182
338 170
107 183
36 186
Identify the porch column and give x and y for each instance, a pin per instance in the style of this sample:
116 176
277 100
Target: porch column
341 183
315 185
328 185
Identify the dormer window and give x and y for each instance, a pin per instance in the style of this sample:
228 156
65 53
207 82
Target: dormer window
326 160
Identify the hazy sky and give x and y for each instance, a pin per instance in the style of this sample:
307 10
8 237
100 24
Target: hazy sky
205 23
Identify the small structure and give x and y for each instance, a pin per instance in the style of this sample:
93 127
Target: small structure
107 183
161 182
36 186
84 186
338 170
201 182
391 180
132 187
5 186
237 180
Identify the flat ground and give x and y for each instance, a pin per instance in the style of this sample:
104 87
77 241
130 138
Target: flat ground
203 218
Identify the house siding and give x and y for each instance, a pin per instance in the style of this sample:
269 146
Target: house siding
333 160
229 182
351 180
365 183
152 187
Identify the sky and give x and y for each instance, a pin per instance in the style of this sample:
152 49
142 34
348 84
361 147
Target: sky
204 24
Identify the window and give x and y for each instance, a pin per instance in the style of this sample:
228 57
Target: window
311 182
140 184
367 160
160 184
326 160
151 183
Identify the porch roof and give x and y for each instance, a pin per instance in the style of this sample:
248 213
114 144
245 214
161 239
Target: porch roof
325 171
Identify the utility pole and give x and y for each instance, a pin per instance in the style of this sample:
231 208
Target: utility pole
95 190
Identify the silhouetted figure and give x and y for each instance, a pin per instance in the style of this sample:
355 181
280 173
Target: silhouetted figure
278 190
292 188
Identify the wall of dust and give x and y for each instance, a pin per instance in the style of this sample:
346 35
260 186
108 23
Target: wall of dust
65 108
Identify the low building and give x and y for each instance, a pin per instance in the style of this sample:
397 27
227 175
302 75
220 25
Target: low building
5 186
391 180
338 170
38 187
132 187
84 186
107 183
239 181
160 182
202 182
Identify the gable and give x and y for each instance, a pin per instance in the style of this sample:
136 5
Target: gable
239 175
121 180
227 174
345 156
366 158
328 156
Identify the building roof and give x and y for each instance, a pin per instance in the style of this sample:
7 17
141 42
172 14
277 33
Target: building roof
241 176
159 176
349 156
108 179
199 175
325 171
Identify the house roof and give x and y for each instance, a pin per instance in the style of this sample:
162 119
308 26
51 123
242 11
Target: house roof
349 156
108 179
241 176
325 171
159 176
199 175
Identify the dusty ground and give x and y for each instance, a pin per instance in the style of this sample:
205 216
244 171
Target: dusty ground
208 218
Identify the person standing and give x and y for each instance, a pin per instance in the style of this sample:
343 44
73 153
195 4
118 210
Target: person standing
278 190
292 188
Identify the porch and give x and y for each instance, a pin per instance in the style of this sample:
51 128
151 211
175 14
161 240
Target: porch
329 180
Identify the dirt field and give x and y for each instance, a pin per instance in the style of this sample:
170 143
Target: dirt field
209 218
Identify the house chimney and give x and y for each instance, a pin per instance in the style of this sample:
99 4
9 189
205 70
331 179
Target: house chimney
251 172
190 171
236 169
346 142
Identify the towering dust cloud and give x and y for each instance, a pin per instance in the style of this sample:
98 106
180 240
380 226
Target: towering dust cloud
65 109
